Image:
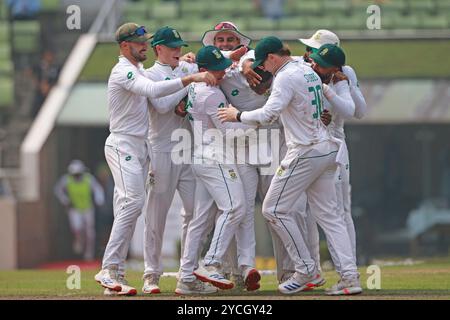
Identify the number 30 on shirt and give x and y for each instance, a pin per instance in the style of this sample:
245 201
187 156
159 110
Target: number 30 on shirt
317 101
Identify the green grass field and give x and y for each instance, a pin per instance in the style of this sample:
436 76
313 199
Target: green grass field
371 59
429 280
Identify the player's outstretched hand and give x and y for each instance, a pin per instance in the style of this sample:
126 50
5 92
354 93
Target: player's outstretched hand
252 77
228 114
339 76
188 57
325 117
238 53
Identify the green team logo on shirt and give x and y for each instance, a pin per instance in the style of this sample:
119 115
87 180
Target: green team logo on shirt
167 78
233 174
130 75
128 158
235 92
185 70
222 105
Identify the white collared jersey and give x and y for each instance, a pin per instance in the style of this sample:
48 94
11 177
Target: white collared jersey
211 141
238 92
163 120
296 99
128 89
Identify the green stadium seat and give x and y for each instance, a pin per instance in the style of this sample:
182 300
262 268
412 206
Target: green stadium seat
434 21
411 21
5 51
226 8
331 7
195 9
50 5
262 24
3 11
4 31
418 6
442 6
136 11
6 67
304 8
244 9
325 22
164 10
182 25
200 26
398 6
6 91
26 36
353 22
293 23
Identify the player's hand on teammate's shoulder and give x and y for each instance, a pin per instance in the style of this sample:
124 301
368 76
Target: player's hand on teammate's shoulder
339 76
326 117
188 57
252 77
228 114
205 76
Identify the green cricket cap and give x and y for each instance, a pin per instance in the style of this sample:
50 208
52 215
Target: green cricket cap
264 47
211 58
329 55
168 37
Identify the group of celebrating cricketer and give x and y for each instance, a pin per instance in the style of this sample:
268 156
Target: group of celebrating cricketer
229 92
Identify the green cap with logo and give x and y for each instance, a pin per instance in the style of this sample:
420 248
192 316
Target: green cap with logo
168 37
329 55
132 32
264 47
211 58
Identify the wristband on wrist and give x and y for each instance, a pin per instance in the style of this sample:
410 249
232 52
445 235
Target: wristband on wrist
238 116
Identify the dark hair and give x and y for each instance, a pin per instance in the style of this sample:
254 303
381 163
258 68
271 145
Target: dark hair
283 52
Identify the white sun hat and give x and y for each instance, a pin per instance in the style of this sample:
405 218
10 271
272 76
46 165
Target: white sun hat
320 38
208 37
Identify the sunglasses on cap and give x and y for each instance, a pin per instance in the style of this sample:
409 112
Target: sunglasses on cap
138 32
224 25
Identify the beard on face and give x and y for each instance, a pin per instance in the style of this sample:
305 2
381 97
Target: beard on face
137 55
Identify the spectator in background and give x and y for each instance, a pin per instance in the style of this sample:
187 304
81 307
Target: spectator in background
24 9
78 191
104 217
273 9
46 73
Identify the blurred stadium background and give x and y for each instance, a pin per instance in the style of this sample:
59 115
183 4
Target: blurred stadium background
53 109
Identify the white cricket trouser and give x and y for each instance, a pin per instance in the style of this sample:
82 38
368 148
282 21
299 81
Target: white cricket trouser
83 222
223 184
343 195
128 160
312 172
242 248
168 177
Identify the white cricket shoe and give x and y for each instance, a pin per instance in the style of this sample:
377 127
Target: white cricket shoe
126 289
299 282
347 286
214 276
251 279
108 279
194 287
151 284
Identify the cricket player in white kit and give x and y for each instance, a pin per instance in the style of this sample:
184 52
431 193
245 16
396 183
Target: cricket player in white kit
346 91
218 180
309 165
167 177
127 147
226 36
